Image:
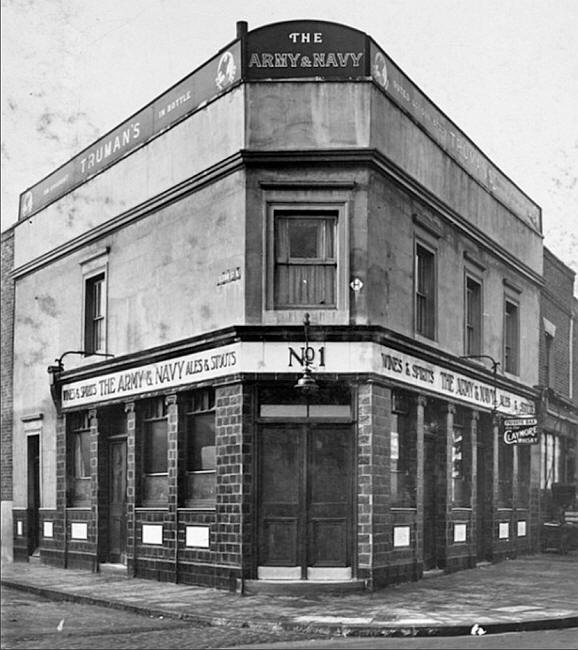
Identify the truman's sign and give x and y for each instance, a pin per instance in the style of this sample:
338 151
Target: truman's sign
277 357
191 93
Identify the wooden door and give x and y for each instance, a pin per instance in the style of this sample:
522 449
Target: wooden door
481 487
305 499
117 501
33 493
429 504
329 498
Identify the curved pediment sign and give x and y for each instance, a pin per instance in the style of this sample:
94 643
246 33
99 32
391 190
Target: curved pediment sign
306 48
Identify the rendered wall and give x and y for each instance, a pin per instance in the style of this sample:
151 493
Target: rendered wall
408 146
390 273
202 140
163 286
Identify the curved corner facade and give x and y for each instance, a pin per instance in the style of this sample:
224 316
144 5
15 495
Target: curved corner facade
294 213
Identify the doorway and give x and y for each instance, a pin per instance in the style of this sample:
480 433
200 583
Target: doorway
117 501
430 503
33 494
483 484
305 502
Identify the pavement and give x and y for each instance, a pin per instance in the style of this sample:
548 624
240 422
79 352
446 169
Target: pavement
532 592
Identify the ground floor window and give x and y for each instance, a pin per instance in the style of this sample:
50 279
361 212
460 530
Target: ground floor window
154 428
78 453
524 475
403 457
505 473
558 460
201 463
461 470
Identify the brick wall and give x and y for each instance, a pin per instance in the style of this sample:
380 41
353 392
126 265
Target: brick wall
557 299
373 458
6 366
575 353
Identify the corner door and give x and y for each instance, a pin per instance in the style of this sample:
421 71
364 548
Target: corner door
305 502
117 502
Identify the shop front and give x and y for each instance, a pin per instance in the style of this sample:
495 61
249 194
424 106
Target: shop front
214 467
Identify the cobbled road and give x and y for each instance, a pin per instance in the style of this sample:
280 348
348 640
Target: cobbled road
31 621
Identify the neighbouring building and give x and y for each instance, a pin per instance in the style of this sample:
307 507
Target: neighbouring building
6 406
280 324
559 436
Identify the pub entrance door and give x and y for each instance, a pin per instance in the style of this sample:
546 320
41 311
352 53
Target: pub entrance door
117 500
430 503
305 502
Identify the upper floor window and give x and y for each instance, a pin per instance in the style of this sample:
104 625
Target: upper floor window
511 337
425 285
473 317
305 268
94 314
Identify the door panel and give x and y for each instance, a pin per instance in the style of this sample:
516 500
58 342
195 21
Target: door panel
329 497
429 514
117 501
281 476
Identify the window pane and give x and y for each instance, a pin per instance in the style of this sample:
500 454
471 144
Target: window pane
201 488
402 462
94 314
425 292
505 471
82 455
473 317
305 238
511 338
156 460
201 442
309 285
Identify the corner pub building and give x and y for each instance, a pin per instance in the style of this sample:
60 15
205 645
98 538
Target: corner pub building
292 307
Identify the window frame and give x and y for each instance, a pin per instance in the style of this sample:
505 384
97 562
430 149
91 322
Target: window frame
405 446
152 411
198 406
328 219
512 368
93 268
94 313
78 485
291 198
479 348
429 331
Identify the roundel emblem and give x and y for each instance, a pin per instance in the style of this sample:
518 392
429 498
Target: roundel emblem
27 204
226 71
380 70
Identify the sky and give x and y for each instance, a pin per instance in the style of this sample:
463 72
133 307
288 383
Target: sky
505 71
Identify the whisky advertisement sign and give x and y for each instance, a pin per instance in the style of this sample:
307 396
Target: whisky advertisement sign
521 431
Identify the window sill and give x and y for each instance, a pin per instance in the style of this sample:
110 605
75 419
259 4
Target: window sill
294 316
